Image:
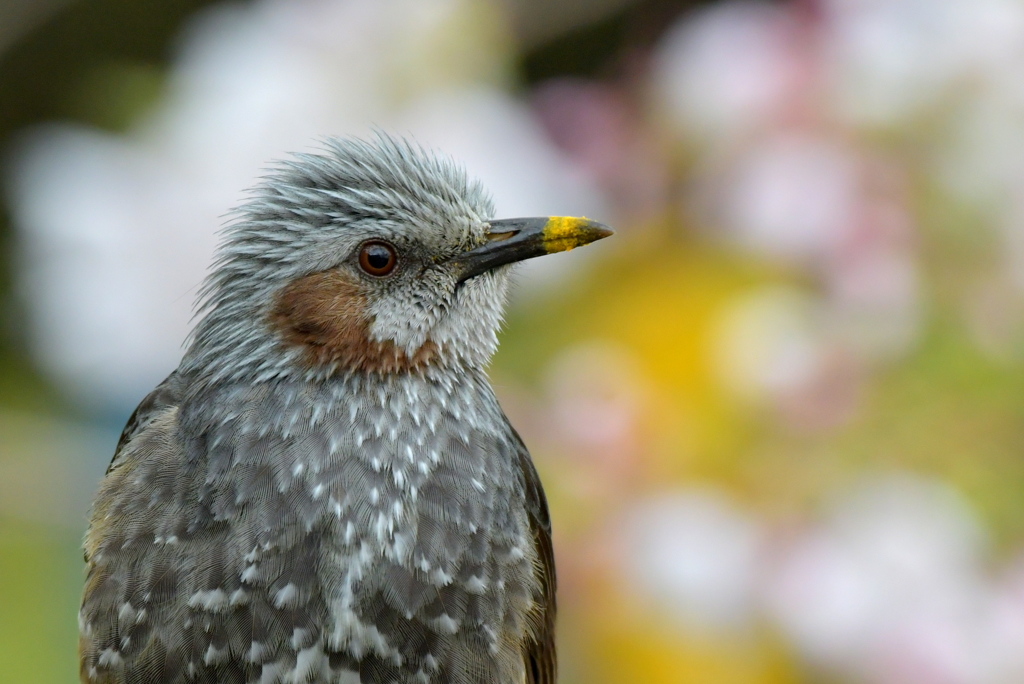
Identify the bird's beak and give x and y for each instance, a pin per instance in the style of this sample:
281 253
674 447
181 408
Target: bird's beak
510 240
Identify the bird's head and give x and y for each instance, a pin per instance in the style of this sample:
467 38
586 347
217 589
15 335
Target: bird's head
368 257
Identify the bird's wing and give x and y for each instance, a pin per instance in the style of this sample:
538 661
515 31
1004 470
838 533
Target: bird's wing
541 662
174 594
129 573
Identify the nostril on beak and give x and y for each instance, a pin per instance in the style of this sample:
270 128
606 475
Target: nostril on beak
499 237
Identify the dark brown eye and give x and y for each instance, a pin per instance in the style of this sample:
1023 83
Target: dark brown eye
377 258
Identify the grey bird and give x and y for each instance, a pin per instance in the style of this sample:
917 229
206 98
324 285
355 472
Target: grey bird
326 489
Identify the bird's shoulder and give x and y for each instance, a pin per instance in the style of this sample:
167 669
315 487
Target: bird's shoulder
163 399
136 481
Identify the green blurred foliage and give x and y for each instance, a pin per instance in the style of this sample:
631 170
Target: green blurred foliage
40 579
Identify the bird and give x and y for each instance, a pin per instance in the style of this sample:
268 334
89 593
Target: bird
326 489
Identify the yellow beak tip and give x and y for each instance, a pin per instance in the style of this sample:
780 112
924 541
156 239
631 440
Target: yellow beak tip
562 233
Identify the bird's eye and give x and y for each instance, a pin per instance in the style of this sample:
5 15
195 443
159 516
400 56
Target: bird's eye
377 258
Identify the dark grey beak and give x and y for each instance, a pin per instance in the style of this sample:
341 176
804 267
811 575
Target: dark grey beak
511 240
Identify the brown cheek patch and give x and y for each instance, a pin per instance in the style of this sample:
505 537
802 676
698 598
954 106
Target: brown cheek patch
326 314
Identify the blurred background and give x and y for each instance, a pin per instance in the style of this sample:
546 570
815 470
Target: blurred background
780 416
